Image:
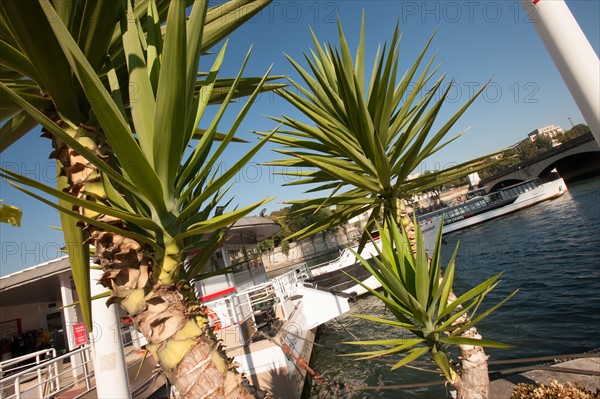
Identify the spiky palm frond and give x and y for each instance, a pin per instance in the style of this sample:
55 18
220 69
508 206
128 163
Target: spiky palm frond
418 295
366 137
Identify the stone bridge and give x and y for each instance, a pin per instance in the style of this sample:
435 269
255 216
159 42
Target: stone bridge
573 159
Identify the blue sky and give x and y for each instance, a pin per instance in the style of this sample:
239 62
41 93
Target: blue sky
476 41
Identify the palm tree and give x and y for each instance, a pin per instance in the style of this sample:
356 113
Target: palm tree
365 140
422 300
119 94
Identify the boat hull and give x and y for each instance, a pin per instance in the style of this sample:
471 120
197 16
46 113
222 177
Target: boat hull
544 192
341 274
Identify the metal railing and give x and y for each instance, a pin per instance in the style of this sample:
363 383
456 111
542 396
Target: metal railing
44 375
234 309
21 362
346 258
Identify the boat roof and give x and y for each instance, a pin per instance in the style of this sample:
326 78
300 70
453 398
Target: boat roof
251 231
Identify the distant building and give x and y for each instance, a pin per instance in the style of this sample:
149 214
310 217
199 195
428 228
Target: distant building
549 131
473 179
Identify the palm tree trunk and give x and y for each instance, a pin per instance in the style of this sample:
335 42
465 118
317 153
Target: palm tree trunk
473 381
179 336
178 333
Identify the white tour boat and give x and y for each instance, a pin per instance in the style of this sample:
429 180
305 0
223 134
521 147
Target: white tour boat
482 207
265 325
338 276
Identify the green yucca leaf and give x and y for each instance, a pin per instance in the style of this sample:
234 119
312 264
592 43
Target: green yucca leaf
104 226
141 91
385 342
450 322
447 281
79 259
10 214
469 295
112 121
379 320
404 345
15 128
154 49
435 265
413 355
483 315
91 205
474 342
202 149
393 306
441 360
171 99
206 250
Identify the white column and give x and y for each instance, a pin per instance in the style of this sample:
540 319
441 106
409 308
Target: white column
112 380
572 54
70 318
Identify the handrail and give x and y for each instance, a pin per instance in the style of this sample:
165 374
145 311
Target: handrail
52 379
278 290
4 365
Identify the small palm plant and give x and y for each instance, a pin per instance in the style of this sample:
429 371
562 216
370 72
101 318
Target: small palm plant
421 301
367 137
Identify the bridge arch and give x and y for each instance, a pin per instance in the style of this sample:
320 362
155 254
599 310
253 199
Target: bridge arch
574 165
577 158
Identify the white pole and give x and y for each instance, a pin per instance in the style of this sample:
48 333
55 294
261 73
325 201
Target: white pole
110 369
572 54
70 317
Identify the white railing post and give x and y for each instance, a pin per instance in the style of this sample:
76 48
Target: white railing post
18 387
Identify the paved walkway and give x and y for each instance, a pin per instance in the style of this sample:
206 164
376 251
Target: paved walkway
143 385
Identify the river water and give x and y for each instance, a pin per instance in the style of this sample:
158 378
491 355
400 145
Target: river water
550 252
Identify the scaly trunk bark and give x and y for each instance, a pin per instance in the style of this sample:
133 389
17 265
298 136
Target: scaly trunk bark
473 381
179 336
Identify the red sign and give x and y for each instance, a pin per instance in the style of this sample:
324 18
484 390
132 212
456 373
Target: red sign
80 334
